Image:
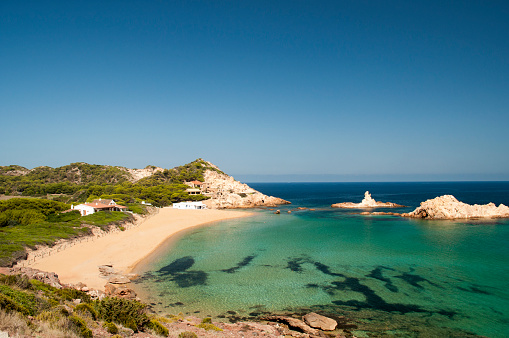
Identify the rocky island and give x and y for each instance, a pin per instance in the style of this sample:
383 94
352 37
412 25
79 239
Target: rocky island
367 202
448 207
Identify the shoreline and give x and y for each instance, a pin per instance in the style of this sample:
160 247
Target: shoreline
126 250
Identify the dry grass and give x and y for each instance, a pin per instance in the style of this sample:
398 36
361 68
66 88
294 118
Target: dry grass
14 324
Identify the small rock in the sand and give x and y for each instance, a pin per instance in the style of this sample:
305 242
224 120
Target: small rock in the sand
106 270
118 279
76 301
320 322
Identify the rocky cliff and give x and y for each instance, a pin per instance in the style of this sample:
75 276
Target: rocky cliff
227 193
367 202
448 207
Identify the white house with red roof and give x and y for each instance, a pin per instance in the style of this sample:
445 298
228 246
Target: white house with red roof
98 205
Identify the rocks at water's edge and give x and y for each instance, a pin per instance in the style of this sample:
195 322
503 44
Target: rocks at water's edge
227 193
367 202
448 207
320 322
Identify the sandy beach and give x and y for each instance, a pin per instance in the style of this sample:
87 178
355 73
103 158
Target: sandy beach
125 249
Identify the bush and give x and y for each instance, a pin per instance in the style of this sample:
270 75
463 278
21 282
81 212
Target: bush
9 305
208 326
188 334
84 307
80 327
129 313
21 281
158 328
21 301
110 327
207 320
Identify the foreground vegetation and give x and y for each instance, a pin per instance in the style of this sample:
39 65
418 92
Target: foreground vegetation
29 222
78 182
30 307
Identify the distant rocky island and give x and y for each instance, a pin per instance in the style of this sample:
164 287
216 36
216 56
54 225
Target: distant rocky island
367 202
448 207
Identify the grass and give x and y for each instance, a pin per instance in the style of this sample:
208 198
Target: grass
14 239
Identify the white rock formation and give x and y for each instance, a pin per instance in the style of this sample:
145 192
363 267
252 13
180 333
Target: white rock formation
448 207
227 193
367 202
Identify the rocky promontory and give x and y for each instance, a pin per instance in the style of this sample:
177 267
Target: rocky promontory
367 202
448 207
227 193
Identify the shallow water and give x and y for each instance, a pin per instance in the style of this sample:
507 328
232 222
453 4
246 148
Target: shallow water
387 275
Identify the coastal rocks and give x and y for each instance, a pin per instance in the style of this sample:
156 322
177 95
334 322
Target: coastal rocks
320 322
227 193
448 207
367 202
121 291
295 324
50 278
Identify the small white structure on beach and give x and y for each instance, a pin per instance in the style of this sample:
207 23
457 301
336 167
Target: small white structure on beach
189 205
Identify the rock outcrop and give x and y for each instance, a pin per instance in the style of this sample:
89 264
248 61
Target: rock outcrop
227 193
320 322
448 207
367 202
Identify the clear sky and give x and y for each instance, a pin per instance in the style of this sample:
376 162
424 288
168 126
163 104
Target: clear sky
266 90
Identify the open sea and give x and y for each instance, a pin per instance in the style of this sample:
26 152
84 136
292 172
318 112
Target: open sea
381 275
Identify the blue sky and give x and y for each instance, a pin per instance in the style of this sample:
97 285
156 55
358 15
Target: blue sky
267 90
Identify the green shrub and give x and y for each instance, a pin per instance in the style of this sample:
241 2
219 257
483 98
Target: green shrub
26 302
80 327
20 281
50 316
71 294
110 327
9 305
130 313
84 307
188 334
158 328
208 326
207 320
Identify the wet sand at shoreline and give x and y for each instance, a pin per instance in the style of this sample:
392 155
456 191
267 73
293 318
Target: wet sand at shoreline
124 250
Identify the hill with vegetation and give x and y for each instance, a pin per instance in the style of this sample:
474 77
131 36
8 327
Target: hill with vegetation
79 182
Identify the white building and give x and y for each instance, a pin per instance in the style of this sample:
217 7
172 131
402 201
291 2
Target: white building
189 205
98 205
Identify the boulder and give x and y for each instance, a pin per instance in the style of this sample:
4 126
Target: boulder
320 322
106 270
294 323
50 278
118 279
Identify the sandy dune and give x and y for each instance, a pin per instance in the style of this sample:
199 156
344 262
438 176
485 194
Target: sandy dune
125 249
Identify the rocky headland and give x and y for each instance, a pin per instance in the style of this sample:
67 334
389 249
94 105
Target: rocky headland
448 207
367 202
227 193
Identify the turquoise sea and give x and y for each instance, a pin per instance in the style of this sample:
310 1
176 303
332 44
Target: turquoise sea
382 275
